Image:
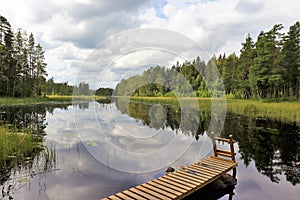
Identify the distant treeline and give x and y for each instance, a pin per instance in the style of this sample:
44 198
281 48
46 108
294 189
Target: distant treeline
83 88
104 92
52 88
267 68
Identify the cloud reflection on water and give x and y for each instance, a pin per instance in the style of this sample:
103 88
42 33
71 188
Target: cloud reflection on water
123 145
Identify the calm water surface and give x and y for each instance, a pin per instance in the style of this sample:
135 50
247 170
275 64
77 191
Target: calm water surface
102 148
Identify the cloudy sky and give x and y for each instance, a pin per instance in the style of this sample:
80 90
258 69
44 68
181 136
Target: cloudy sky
79 36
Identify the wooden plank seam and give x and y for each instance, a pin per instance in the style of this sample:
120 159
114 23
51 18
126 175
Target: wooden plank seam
183 182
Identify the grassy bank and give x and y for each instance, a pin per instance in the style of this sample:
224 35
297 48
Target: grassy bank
21 101
204 103
5 101
16 147
285 111
70 98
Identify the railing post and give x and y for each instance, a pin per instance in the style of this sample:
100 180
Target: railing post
232 154
214 143
231 148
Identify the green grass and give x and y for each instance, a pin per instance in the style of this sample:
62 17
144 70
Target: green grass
204 103
21 101
6 101
287 111
284 111
16 147
70 98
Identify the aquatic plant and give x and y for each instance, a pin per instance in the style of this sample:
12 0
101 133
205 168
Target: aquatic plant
16 147
287 111
284 111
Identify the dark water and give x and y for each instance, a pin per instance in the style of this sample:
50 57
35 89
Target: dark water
102 148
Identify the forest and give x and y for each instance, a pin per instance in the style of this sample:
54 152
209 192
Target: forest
268 68
23 67
22 63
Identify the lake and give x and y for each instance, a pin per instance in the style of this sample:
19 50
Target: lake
100 148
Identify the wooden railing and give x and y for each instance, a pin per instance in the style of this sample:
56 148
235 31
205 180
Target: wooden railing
185 181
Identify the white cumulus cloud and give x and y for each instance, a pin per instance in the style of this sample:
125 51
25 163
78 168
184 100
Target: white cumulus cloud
70 30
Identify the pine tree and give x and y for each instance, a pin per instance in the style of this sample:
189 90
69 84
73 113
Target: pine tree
84 88
26 79
39 69
267 69
245 63
291 59
229 73
235 74
4 30
260 69
31 49
20 54
7 62
276 69
22 64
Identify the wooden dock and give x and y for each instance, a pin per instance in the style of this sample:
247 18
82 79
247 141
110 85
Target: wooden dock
183 182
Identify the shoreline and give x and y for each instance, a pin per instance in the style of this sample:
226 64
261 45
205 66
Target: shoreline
15 101
287 111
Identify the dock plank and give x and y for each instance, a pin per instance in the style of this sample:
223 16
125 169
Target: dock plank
183 182
215 165
113 197
179 181
123 196
217 162
133 195
196 175
173 183
206 168
163 192
201 173
190 176
142 193
153 193
219 167
167 189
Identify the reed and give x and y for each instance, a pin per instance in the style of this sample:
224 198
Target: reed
47 158
284 111
7 101
15 147
21 101
287 111
203 103
70 98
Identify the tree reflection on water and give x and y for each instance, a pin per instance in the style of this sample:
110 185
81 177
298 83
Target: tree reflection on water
152 116
16 172
273 145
